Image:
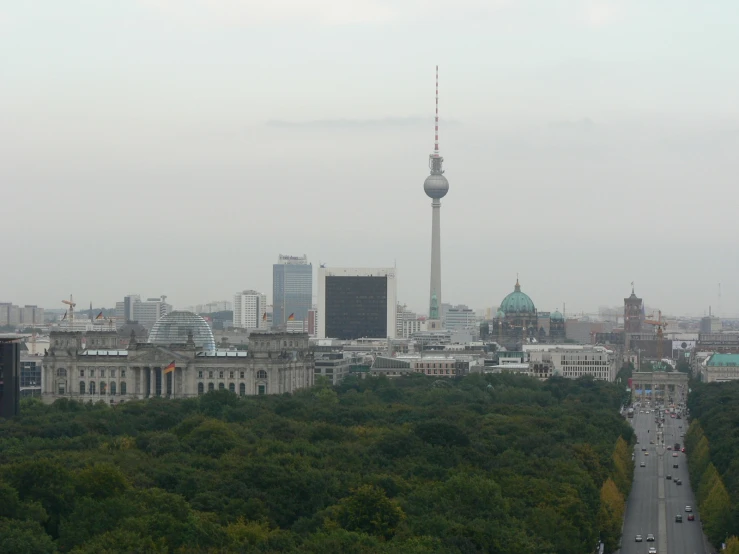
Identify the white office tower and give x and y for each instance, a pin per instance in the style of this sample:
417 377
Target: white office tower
145 312
356 303
250 310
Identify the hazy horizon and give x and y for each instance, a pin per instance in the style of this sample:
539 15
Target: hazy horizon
588 144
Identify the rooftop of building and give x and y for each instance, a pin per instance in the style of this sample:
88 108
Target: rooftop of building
723 360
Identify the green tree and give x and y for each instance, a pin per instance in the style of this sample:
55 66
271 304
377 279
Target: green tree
716 513
211 437
698 460
732 546
610 516
101 481
369 510
705 486
24 537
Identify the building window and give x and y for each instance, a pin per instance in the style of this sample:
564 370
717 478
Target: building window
221 386
123 388
92 387
112 388
92 373
82 372
211 387
242 389
82 387
241 374
200 374
231 374
112 373
102 387
220 374
210 375
61 372
262 389
102 373
261 374
201 388
232 388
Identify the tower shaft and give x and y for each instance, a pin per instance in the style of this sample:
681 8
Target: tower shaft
435 290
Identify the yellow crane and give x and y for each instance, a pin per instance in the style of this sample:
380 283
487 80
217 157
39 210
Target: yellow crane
71 305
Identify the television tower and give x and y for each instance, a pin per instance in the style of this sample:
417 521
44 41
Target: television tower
436 186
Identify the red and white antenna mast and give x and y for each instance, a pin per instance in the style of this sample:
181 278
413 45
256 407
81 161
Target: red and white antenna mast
435 159
436 121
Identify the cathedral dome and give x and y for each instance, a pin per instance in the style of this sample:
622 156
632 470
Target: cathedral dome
517 302
175 327
556 316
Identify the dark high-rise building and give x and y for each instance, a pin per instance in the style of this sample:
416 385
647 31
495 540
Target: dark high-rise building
292 291
355 303
633 313
10 384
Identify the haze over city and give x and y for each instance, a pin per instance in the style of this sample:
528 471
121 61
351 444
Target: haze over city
176 147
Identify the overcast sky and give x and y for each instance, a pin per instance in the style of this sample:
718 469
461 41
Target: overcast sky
178 146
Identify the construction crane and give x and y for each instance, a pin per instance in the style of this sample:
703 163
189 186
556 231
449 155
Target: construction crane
71 305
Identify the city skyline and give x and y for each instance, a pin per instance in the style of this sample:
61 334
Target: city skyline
570 162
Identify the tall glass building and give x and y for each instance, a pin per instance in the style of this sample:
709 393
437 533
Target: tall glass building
292 290
355 303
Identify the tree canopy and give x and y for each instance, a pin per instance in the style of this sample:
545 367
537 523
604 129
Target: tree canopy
497 463
712 444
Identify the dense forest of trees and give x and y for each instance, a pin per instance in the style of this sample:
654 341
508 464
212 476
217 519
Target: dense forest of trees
712 445
498 464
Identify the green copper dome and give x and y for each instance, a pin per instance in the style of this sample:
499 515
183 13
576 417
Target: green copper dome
517 302
556 316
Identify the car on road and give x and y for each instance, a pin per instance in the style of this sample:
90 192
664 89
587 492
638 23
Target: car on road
683 450
691 517
675 466
669 447
643 464
652 550
668 477
678 481
688 508
646 453
650 537
674 454
637 538
678 518
643 448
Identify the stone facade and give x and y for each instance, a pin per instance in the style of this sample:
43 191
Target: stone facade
90 367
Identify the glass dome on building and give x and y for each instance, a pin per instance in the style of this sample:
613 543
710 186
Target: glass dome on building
175 327
517 302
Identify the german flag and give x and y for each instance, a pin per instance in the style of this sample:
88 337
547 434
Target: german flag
291 317
169 368
99 316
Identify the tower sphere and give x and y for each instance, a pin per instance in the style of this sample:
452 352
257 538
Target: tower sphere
436 186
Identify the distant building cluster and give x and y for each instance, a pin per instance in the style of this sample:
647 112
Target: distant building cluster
10 314
357 324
